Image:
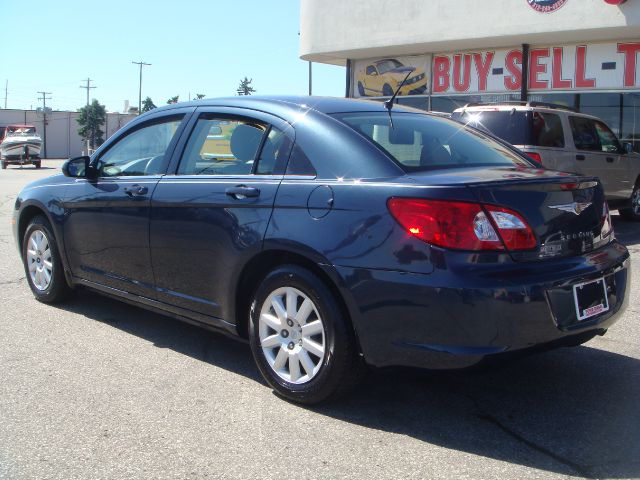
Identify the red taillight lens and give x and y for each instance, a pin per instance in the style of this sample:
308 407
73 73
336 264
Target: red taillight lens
536 157
462 225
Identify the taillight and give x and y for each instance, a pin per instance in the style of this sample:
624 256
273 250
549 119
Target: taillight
607 226
462 225
536 157
513 229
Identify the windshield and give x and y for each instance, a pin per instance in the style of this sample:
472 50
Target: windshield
20 130
422 142
385 66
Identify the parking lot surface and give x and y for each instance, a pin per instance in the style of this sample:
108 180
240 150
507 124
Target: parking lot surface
94 388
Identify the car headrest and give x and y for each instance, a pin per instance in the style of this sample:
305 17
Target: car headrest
245 140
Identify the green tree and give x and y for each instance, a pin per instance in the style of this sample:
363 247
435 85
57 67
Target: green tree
147 104
173 100
199 96
245 87
91 118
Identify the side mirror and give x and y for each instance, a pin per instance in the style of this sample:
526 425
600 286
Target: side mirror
627 147
78 167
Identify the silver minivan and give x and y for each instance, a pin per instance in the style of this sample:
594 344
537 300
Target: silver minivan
560 138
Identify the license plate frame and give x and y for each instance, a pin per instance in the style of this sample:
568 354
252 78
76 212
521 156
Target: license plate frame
590 298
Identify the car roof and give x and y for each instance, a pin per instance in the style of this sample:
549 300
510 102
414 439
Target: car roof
505 107
295 103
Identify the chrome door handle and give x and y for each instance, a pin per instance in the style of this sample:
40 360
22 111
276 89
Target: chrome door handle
240 192
135 190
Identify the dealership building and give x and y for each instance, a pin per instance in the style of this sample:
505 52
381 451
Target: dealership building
583 54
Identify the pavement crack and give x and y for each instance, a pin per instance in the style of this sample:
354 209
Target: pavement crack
12 282
579 469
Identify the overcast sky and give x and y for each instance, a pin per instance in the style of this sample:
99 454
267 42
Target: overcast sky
194 46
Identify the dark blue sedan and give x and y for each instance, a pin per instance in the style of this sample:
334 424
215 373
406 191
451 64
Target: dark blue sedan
332 234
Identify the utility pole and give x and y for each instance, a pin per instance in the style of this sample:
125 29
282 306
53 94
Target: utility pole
88 87
310 79
141 63
44 99
6 90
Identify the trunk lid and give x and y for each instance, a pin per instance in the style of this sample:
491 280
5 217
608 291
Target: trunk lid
566 212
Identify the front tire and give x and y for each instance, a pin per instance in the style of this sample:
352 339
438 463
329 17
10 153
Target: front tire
361 89
387 91
37 164
42 263
301 341
632 212
4 165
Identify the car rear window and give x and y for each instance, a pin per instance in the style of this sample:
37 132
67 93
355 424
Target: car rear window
422 142
539 129
512 126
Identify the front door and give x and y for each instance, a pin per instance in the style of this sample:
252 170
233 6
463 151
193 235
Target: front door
211 215
107 218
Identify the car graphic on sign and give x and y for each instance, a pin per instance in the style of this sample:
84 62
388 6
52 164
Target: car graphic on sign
382 77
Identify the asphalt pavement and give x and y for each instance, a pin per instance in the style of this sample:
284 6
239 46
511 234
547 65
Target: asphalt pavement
98 389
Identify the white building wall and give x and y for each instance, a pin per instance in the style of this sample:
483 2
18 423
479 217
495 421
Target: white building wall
63 140
332 31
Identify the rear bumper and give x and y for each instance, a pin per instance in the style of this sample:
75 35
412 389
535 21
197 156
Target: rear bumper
20 160
455 318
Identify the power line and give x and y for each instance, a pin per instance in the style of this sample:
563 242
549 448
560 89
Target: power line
141 63
44 99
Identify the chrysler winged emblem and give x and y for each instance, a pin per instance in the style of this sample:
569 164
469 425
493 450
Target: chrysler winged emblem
576 207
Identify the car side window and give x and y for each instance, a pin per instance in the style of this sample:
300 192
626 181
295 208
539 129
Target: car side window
222 146
547 130
608 140
584 134
274 153
371 70
299 163
141 152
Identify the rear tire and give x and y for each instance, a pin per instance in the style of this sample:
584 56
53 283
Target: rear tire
632 213
387 91
301 341
37 164
42 262
4 165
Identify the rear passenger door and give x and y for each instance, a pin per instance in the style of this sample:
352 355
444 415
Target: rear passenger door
597 154
210 213
548 138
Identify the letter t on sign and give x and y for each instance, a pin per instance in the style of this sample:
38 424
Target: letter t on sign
630 51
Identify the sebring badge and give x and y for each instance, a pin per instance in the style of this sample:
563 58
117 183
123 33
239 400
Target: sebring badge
576 207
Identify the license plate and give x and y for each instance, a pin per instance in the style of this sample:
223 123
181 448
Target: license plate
590 298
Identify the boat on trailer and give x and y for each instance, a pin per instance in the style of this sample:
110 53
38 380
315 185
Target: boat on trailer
20 145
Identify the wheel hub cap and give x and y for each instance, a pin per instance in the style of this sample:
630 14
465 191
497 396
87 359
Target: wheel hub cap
39 261
292 335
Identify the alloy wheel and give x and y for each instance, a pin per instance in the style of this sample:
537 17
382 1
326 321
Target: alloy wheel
39 261
292 335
